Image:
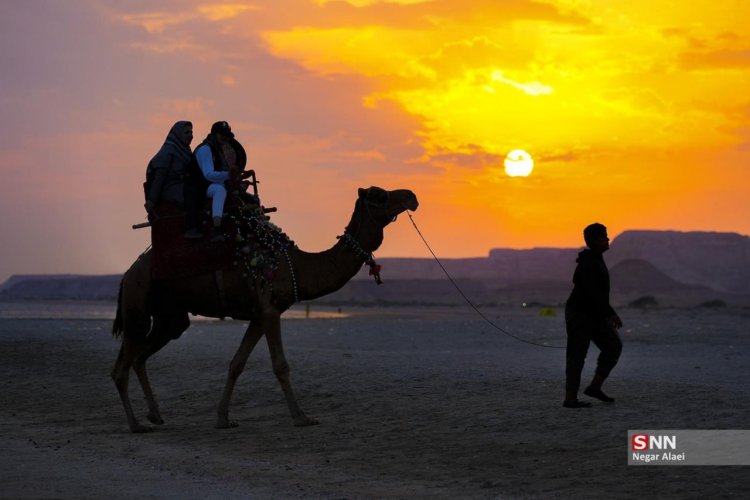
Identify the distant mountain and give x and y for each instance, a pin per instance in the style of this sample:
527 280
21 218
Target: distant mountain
718 260
17 278
60 287
642 276
639 262
503 268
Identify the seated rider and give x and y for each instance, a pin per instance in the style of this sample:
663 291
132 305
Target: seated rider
166 172
220 158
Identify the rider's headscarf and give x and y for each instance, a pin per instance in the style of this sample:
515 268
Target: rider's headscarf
173 144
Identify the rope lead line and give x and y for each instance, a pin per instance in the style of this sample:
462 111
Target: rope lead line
467 298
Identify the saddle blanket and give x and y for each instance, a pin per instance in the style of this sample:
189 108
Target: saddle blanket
175 256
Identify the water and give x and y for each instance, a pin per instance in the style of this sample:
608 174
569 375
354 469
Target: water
105 310
58 309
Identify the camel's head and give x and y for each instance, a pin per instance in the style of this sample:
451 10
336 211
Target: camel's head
384 206
375 209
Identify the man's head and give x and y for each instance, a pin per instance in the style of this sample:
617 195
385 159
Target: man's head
222 130
596 238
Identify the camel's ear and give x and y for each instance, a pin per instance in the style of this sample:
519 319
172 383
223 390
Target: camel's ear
362 192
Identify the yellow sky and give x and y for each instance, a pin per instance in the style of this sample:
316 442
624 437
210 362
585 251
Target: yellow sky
636 113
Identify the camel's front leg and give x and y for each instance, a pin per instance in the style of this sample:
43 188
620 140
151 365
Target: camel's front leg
252 335
281 370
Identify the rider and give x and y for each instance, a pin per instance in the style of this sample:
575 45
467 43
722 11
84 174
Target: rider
166 173
220 158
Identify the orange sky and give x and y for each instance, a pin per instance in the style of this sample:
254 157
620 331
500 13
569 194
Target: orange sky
636 113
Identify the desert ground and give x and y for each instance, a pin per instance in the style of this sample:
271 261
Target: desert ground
412 402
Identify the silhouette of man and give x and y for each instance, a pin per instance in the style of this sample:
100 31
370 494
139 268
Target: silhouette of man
217 159
589 317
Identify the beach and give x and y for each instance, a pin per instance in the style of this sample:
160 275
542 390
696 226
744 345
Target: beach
429 402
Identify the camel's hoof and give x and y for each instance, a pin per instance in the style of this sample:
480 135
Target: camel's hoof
155 419
304 421
226 424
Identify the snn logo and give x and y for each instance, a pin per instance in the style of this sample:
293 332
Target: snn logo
640 442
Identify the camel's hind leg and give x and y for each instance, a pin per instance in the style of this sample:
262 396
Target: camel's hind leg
282 372
120 375
163 331
253 333
132 323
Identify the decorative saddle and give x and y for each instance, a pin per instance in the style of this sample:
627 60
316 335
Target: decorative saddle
251 244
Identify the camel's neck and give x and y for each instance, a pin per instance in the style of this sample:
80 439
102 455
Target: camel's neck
318 274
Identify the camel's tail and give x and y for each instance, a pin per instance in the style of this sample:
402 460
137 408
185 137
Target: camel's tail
117 329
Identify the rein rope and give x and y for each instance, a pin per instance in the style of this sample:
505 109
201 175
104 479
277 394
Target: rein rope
482 315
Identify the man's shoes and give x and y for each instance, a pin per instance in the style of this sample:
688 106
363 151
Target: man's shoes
576 404
193 234
598 394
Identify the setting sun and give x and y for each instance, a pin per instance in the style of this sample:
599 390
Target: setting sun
518 163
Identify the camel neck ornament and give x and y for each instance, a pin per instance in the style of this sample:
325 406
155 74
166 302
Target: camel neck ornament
151 313
368 257
294 278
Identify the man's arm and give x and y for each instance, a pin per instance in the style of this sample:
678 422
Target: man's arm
159 166
596 296
206 163
157 183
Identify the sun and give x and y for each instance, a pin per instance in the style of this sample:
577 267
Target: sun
518 163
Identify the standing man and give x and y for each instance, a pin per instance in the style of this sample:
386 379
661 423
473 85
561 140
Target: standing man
589 317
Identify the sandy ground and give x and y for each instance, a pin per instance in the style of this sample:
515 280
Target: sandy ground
413 403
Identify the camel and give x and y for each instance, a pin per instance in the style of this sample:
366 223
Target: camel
151 313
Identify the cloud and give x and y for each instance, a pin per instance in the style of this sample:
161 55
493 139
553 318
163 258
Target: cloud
220 12
452 69
567 157
530 88
160 21
365 3
717 59
467 157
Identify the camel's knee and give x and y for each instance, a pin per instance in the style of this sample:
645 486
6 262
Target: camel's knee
120 376
128 353
282 371
139 364
116 372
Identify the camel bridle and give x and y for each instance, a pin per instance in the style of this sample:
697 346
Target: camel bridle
370 204
381 219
